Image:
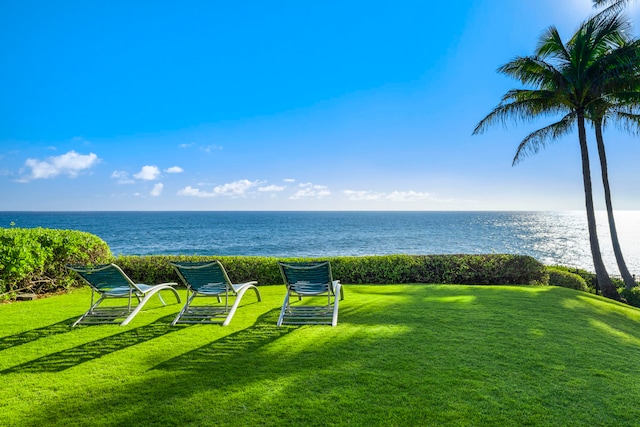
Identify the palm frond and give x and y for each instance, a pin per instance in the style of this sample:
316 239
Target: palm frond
522 106
539 139
550 44
624 98
529 70
600 44
628 122
595 73
611 7
600 3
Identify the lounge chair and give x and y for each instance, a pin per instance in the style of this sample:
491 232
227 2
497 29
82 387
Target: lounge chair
109 281
310 279
209 279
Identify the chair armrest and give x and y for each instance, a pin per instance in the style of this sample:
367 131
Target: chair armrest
238 286
168 283
337 288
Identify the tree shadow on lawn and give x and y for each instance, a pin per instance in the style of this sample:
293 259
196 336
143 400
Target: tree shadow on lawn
380 368
69 358
414 381
241 375
36 334
240 343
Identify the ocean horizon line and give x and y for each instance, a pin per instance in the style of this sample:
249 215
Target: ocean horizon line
311 210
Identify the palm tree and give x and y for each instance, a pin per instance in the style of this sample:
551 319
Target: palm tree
565 80
611 6
598 117
611 3
615 99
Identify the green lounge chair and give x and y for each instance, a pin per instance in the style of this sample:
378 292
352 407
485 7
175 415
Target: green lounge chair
109 281
209 279
310 279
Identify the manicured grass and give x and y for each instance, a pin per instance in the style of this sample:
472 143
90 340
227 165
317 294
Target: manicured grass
401 355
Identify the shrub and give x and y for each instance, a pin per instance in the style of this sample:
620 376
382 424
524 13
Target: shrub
589 277
461 269
35 258
154 269
561 277
632 296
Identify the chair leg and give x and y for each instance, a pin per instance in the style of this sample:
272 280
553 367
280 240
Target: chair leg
285 307
336 302
90 311
144 301
184 309
334 319
237 302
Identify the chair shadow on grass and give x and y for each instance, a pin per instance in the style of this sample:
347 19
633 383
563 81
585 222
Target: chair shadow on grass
75 356
36 334
263 332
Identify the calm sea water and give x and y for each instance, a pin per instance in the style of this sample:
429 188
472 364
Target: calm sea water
550 237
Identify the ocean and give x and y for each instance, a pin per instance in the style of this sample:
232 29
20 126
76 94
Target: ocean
550 237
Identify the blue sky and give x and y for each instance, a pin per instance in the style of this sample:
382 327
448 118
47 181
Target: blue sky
280 105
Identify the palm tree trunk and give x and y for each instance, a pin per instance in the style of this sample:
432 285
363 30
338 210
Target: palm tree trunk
604 281
629 282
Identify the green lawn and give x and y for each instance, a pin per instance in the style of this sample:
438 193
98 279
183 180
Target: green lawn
401 355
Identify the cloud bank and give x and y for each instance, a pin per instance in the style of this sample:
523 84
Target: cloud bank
70 164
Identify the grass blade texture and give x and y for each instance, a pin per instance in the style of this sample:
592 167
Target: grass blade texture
400 355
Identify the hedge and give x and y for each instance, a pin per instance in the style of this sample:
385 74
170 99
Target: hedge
493 269
34 259
588 276
566 279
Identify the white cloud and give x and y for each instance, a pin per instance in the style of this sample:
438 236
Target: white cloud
194 192
289 180
311 191
408 196
174 169
191 144
70 164
122 177
232 189
148 173
157 189
363 195
271 188
235 189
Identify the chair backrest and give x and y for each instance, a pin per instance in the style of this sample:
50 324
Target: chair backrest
103 277
307 277
203 275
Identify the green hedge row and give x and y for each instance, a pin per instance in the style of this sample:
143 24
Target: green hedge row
491 269
566 279
34 259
